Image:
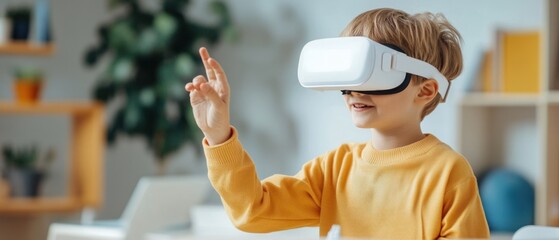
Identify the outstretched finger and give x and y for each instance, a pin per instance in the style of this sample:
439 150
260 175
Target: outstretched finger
205 57
220 74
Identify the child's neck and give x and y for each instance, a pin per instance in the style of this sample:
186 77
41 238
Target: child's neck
397 137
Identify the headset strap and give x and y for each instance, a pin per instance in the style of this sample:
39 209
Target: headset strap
414 66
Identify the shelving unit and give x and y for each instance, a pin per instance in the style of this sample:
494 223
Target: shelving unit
26 48
520 131
86 157
553 97
500 99
39 205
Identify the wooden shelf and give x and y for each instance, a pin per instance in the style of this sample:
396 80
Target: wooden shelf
501 99
520 131
87 141
553 97
39 205
26 48
47 107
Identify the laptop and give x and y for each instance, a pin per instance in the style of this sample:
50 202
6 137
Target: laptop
156 203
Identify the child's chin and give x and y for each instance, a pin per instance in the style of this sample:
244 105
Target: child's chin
362 125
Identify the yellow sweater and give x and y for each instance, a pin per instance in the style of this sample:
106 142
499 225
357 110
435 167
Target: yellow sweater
421 191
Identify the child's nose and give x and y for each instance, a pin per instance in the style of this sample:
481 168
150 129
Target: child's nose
352 93
357 94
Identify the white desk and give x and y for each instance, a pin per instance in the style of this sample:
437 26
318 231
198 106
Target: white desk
212 223
295 234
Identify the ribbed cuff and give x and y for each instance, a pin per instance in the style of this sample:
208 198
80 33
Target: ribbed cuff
228 152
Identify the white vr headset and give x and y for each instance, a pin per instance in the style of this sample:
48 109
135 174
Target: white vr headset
359 64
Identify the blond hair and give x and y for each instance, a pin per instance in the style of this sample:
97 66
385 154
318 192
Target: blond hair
425 36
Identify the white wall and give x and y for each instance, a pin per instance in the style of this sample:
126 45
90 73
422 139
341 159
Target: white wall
315 122
281 124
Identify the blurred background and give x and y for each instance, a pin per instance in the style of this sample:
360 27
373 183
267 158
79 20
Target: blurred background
122 65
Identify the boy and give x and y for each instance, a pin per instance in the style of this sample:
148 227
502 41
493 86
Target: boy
401 184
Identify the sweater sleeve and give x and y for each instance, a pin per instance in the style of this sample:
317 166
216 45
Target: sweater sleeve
463 215
276 203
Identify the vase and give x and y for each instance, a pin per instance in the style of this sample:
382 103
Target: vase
20 30
27 91
24 182
161 167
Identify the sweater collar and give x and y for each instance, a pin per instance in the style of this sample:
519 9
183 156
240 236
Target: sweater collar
389 156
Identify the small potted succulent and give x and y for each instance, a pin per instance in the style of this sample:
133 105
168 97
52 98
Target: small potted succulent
24 170
28 84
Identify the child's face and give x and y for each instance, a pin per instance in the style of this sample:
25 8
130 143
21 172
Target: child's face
385 112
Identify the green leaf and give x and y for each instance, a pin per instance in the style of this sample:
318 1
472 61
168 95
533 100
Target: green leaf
185 66
132 114
104 91
23 158
122 37
91 57
8 153
148 42
116 125
28 73
165 26
219 7
174 5
167 79
147 97
122 69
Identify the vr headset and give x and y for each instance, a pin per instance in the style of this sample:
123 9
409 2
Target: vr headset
359 64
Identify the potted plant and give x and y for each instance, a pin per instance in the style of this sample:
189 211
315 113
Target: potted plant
20 17
24 170
28 84
153 53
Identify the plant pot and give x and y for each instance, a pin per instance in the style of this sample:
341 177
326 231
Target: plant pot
27 91
24 182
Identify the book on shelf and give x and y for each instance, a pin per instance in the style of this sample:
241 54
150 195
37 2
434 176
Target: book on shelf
513 65
41 22
486 72
38 32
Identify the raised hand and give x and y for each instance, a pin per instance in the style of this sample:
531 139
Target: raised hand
209 98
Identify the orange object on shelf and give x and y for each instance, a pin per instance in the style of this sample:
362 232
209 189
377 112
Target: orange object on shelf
519 56
27 91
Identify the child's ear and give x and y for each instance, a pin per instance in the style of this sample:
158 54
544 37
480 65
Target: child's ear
428 90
